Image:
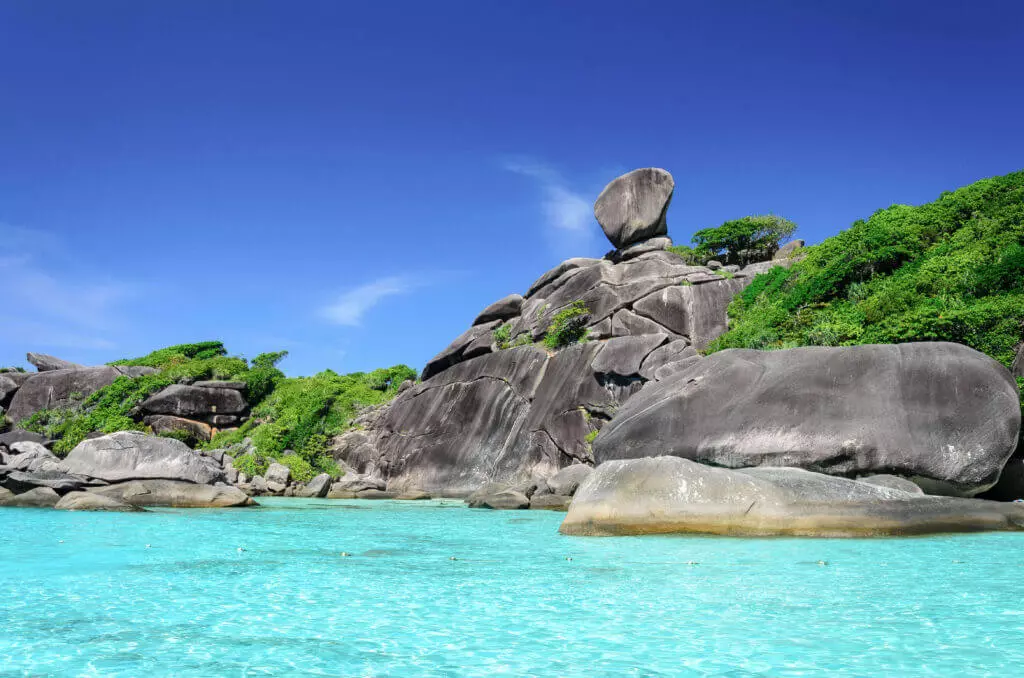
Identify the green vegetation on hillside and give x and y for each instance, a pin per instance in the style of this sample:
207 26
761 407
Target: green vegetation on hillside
950 270
297 414
302 413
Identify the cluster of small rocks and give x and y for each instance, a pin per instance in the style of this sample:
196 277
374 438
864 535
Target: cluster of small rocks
554 493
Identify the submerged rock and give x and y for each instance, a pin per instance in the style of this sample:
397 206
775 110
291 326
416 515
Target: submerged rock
659 495
90 501
503 499
941 414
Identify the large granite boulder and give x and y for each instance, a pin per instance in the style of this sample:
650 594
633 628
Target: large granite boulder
56 480
568 480
317 487
473 342
90 501
632 207
31 457
61 388
941 414
129 455
181 400
502 309
196 431
175 494
39 497
49 363
671 495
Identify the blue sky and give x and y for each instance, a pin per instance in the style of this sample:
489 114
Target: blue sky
353 182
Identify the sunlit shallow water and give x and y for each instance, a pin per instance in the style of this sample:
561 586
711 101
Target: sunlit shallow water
82 594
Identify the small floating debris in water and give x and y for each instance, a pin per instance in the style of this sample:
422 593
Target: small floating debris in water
568 557
148 546
60 541
345 554
452 558
691 562
823 563
240 549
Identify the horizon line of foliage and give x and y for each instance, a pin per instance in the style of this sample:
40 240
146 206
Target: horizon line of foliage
948 270
739 241
298 413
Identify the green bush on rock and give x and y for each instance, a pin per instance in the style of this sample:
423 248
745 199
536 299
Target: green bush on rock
568 326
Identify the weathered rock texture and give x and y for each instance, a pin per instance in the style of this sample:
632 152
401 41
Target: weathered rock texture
671 495
90 501
128 455
941 414
632 207
59 388
48 363
175 493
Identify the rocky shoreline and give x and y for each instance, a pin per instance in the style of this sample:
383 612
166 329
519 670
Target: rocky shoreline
591 394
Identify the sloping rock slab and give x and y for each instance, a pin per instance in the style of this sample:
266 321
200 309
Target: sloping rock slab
60 482
175 494
941 414
90 501
127 455
662 495
40 497
49 363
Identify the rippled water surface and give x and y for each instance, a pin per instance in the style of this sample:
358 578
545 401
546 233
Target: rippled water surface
433 588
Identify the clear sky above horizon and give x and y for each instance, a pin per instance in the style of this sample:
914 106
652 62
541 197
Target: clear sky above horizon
353 182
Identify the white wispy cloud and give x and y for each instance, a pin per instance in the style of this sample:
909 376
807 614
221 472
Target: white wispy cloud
351 305
52 300
563 208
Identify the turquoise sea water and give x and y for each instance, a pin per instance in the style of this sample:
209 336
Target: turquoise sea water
82 594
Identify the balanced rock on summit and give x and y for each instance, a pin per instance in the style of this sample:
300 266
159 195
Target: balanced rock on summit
632 207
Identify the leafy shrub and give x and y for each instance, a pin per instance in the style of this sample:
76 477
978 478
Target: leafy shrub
302 413
302 471
568 326
501 335
950 270
724 273
690 256
251 465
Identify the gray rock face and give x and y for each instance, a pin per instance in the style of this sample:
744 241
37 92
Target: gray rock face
623 355
192 401
503 309
665 355
550 502
455 352
695 311
568 480
40 497
278 473
52 389
789 249
175 494
32 457
166 423
8 387
893 482
19 435
48 363
632 207
940 414
128 455
90 501
58 481
671 495
317 487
